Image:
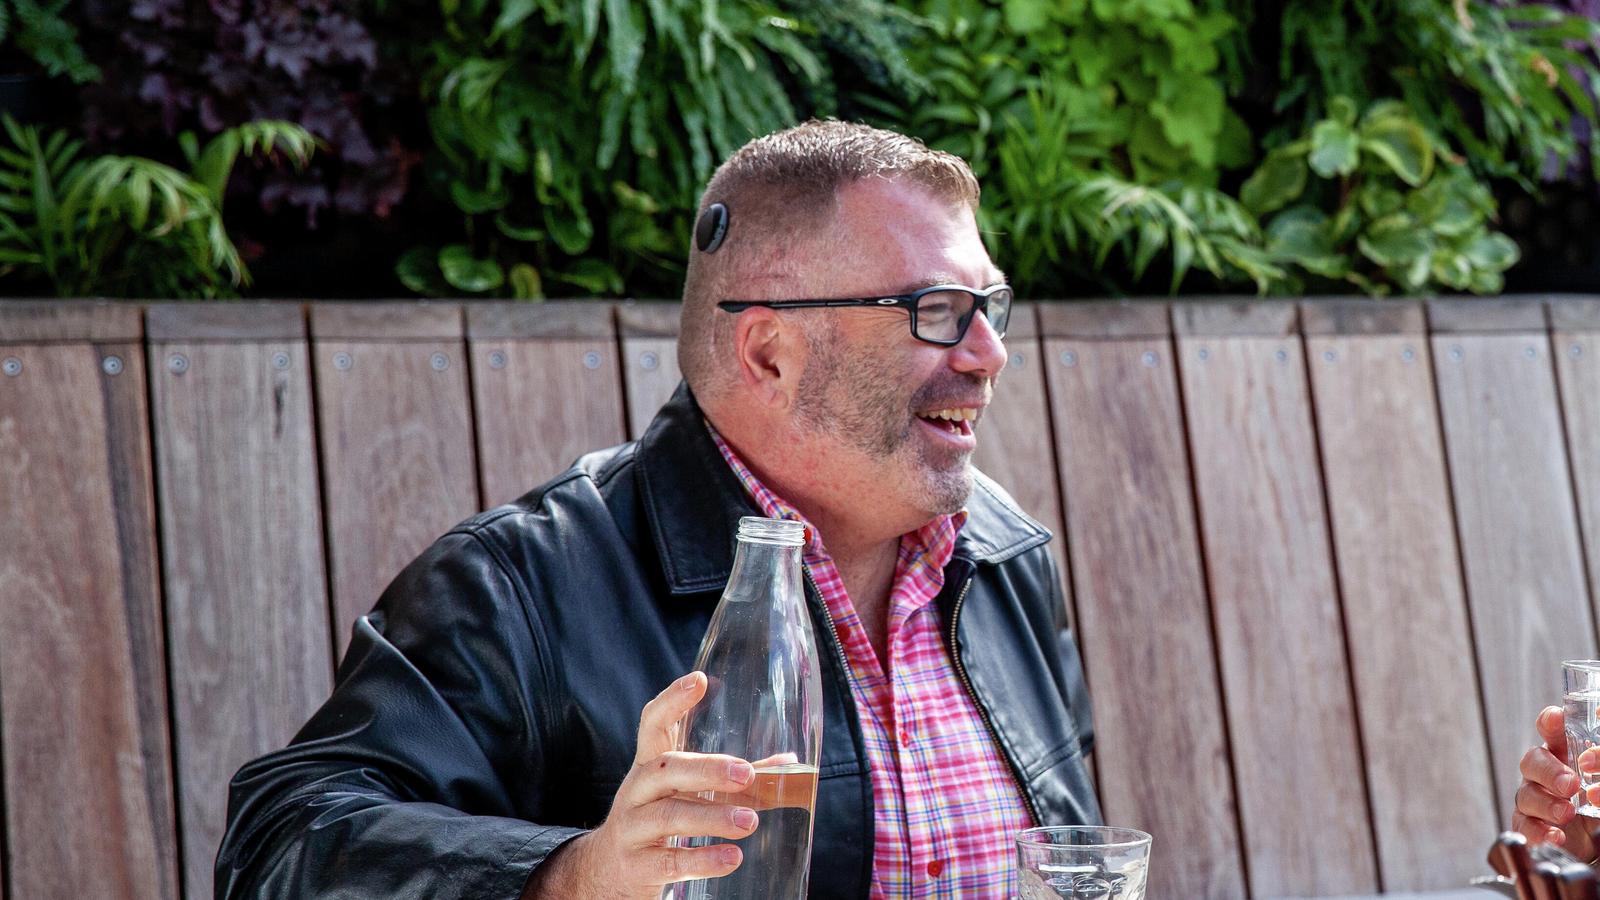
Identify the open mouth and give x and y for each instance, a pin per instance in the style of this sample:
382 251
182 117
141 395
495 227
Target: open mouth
955 420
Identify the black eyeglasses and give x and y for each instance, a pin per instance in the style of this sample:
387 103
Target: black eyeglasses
939 314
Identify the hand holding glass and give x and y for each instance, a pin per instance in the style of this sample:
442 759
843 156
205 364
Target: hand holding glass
1580 702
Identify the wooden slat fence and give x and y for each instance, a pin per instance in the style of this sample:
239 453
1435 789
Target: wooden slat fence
1322 557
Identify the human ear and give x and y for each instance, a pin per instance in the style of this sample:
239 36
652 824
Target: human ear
761 346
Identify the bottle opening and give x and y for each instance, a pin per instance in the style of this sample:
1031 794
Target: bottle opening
781 532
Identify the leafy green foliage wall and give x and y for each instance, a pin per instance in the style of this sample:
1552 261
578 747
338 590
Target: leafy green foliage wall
573 135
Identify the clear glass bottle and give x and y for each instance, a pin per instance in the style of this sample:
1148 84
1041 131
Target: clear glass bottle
763 704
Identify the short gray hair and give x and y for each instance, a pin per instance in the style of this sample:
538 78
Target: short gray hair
781 191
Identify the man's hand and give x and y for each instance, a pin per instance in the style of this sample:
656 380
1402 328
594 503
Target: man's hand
628 856
1544 810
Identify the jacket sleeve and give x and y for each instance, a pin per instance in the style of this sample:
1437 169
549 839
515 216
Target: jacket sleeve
408 781
1077 689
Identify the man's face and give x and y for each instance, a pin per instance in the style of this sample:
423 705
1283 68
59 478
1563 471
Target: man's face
875 398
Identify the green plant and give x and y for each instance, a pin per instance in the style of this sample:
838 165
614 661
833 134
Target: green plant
1098 129
126 226
1502 82
573 135
1378 203
39 31
1061 212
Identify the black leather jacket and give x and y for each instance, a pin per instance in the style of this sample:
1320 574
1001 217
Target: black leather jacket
486 710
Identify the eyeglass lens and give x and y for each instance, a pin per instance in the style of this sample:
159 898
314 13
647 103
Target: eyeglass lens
941 314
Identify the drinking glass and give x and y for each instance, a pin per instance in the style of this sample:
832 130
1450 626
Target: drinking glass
1082 862
1580 700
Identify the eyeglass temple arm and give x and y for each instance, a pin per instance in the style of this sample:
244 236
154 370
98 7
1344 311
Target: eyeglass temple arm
742 305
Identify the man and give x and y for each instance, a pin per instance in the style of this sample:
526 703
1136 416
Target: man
486 737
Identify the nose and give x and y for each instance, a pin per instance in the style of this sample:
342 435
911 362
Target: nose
981 352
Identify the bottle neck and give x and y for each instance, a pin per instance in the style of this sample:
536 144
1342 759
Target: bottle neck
765 570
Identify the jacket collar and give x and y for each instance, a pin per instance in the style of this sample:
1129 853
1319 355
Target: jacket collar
693 502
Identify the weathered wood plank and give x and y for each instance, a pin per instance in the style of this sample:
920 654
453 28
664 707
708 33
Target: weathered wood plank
1014 445
261 321
578 319
541 404
1236 318
1110 320
397 453
1577 350
45 321
1143 622
1279 629
1574 313
1517 527
649 359
88 787
1404 606
1351 316
1486 315
241 538
365 320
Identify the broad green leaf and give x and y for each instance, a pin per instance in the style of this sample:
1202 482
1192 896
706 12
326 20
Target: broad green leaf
1333 149
525 284
466 272
418 270
517 232
570 227
1493 251
1278 182
512 14
1024 16
476 201
593 275
1402 145
1394 241
1342 109
1377 199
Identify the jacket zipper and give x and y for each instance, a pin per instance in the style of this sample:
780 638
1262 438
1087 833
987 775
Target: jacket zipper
833 630
966 682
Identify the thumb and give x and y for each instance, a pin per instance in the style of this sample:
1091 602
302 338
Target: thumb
1551 725
658 722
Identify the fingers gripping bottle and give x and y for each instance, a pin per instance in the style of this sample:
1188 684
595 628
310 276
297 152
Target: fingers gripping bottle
763 704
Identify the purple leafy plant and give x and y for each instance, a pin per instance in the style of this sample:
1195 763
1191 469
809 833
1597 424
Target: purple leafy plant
206 65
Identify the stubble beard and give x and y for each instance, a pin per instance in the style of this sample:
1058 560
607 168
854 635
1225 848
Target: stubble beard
859 401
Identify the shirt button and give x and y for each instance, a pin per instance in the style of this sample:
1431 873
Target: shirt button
905 738
935 867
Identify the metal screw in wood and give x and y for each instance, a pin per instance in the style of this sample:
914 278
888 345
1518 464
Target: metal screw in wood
1408 354
1068 357
1577 350
12 366
497 359
1204 354
111 365
1282 355
1329 355
280 360
591 360
1149 358
177 364
439 361
649 361
1455 352
1017 361
342 361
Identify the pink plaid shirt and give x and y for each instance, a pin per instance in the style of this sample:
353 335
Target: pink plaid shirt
947 809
